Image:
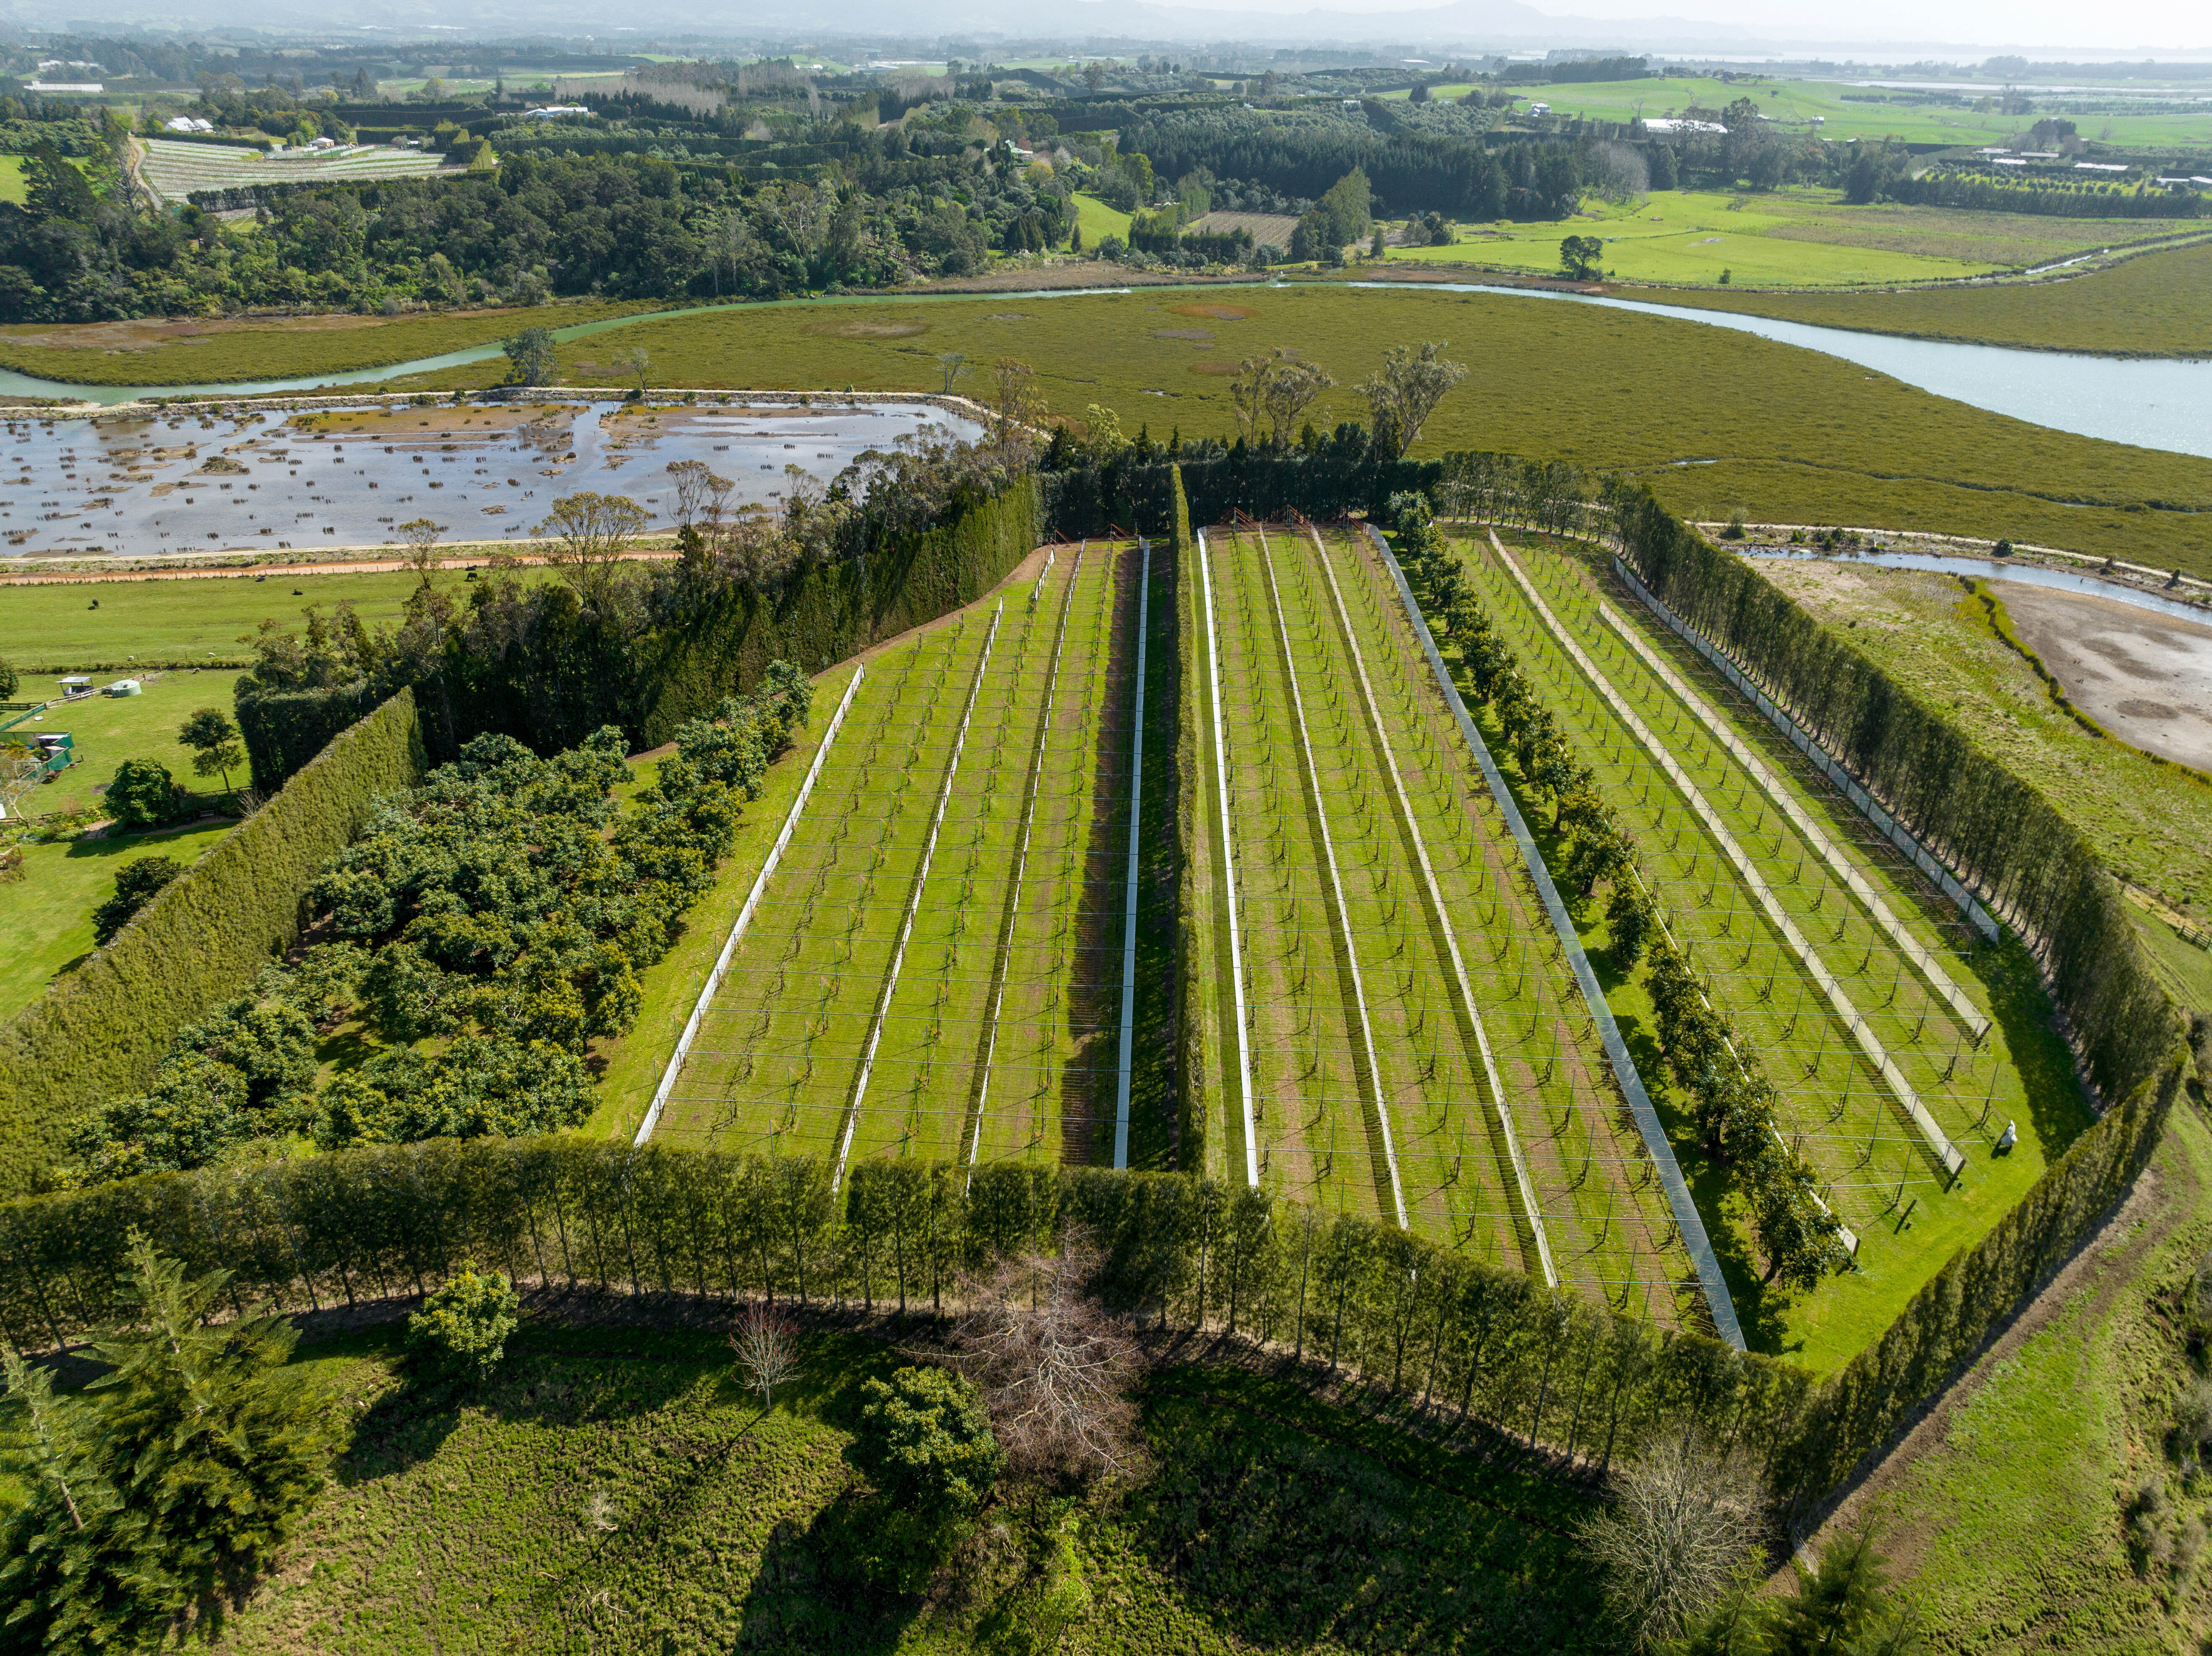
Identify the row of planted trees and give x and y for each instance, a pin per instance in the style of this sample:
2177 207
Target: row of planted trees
1731 1099
1493 1346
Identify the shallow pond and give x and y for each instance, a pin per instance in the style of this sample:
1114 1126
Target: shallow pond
170 483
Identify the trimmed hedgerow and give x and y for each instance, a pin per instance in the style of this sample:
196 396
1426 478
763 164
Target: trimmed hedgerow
101 1030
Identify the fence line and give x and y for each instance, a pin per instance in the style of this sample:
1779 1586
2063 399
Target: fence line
668 1077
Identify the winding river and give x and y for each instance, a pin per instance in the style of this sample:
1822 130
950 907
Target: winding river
2150 402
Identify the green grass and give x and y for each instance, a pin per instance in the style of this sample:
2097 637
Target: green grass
112 729
2151 304
14 186
45 917
670 988
214 352
1319 1112
2010 1519
2146 821
1713 419
1848 112
1097 221
1883 1178
1791 238
613 1490
51 626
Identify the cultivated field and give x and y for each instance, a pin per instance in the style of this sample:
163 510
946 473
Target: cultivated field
175 170
1902 1045
935 968
1413 1047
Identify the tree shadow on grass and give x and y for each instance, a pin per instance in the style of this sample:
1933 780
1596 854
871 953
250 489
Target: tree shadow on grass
818 1585
2057 1112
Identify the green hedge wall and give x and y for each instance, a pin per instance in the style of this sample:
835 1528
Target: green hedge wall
1859 1411
1542 1368
285 729
836 610
1998 831
100 1031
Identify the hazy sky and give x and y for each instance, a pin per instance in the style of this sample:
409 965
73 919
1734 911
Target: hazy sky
2110 26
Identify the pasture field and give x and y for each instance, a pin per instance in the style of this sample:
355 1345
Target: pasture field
1799 237
109 730
616 1489
212 350
2147 819
51 626
45 917
2149 305
1893 1034
1854 112
935 969
1097 221
1416 1048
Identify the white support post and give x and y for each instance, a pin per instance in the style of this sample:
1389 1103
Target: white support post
1229 870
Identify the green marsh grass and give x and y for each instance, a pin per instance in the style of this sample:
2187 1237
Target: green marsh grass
1714 419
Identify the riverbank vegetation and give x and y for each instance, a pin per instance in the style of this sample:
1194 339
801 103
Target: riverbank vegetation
2151 304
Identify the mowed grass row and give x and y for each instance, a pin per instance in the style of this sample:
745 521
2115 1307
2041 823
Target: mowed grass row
777 1062
1884 1177
1417 1125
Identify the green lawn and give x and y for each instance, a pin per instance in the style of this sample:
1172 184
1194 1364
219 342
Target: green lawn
2149 305
614 1490
1097 221
54 627
112 729
45 917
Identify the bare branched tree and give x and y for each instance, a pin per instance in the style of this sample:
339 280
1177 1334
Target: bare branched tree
767 1349
22 767
702 497
1684 1517
1055 1366
1019 402
953 366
